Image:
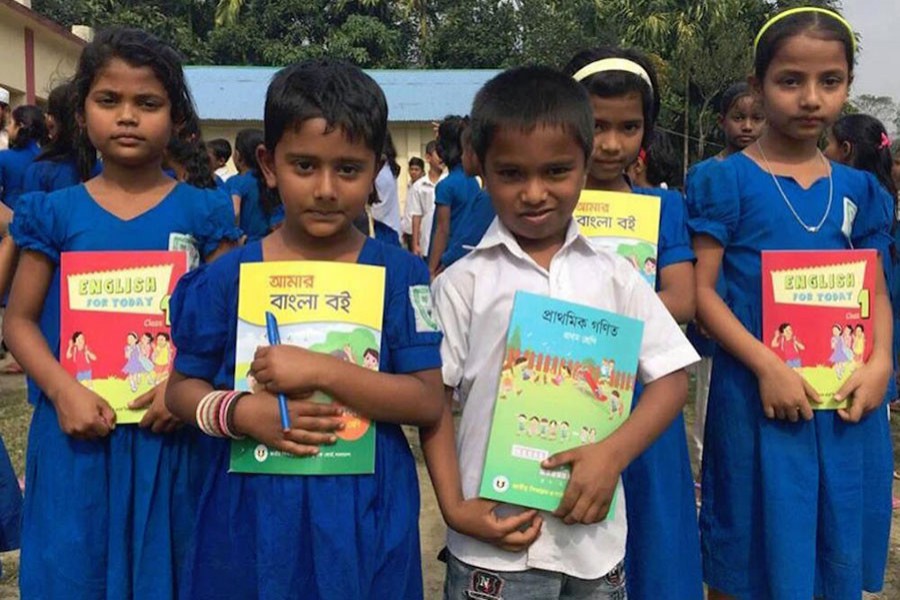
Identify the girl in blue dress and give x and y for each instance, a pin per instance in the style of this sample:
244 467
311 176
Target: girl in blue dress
258 211
796 502
108 510
310 537
663 548
27 130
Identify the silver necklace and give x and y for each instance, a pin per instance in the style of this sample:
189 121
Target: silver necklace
809 228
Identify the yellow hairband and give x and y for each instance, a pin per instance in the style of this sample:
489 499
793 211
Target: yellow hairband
612 64
803 9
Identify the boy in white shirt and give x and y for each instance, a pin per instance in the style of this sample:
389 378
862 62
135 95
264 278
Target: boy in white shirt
532 132
420 202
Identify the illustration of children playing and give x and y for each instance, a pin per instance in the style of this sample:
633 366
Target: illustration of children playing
859 343
616 406
789 345
371 357
534 425
847 338
839 351
649 270
551 431
508 378
79 353
564 431
162 359
146 346
521 424
544 426
133 368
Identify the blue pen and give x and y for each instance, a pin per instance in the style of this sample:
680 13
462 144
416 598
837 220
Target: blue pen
274 340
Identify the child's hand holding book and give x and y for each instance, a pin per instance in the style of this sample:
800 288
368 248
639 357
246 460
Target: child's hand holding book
83 414
157 419
477 518
592 482
289 369
865 388
312 424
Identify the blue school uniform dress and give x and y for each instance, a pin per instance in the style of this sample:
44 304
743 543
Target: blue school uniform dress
471 213
13 163
10 504
254 221
790 510
322 537
51 175
662 554
109 518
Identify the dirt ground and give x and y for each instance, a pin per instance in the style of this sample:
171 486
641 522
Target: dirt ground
15 413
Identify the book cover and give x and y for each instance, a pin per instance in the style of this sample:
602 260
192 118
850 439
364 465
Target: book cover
626 224
817 314
567 380
114 322
329 307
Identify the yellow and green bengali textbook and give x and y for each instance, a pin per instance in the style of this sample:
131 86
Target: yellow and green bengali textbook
626 224
330 307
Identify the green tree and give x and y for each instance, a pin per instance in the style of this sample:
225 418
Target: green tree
473 34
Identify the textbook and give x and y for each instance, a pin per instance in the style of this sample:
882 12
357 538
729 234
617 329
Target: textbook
329 307
567 379
114 322
623 223
817 314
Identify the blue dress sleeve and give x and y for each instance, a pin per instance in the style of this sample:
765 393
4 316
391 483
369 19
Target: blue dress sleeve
410 327
674 241
200 323
38 225
443 192
31 181
874 218
714 204
216 222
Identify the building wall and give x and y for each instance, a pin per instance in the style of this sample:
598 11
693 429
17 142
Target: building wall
36 54
409 138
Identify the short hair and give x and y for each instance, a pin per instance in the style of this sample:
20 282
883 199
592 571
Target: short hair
333 90
609 84
431 147
526 97
221 149
415 161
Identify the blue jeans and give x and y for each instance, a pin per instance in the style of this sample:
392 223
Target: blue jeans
465 582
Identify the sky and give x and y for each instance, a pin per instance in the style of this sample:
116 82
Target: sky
877 70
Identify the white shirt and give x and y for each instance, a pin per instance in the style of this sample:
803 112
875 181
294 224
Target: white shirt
387 209
473 300
420 202
223 173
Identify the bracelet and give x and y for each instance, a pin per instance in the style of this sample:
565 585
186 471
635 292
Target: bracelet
215 413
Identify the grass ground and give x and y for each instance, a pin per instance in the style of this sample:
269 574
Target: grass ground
15 414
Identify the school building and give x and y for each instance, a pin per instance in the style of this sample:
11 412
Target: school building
229 99
37 53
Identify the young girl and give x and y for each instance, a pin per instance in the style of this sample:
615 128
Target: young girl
741 120
663 552
109 509
27 130
778 476
57 166
278 536
258 211
80 353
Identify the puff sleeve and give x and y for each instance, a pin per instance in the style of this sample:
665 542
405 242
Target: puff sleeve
411 329
674 241
216 221
874 217
39 225
713 203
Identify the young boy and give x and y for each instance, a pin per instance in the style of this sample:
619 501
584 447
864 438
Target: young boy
532 134
219 153
420 202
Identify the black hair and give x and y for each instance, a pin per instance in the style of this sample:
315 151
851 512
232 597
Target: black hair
164 335
415 161
245 143
221 149
869 152
449 142
61 106
782 327
663 164
389 154
525 97
732 94
32 126
431 147
333 90
75 336
371 352
608 84
816 23
186 148
138 49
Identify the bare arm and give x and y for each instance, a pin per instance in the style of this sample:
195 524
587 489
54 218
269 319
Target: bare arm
236 202
440 237
416 232
678 291
9 258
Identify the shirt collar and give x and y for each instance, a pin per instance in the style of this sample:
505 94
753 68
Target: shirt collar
499 235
